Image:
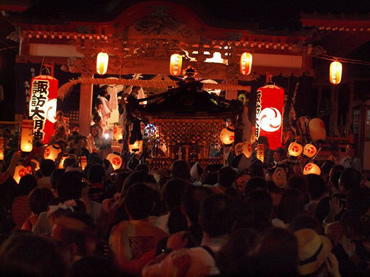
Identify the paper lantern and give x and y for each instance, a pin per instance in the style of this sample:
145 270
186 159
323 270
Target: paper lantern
269 110
175 64
21 171
317 129
83 162
311 168
37 164
227 135
27 136
52 151
247 149
43 106
260 153
309 150
102 63
117 133
61 162
136 147
335 74
115 160
295 149
1 148
246 63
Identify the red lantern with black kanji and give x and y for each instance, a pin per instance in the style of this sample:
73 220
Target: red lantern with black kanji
43 106
269 114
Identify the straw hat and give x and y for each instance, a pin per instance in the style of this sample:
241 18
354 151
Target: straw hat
313 250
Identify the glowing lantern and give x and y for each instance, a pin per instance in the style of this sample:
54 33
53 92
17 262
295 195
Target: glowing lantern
102 63
247 149
43 106
137 147
311 168
295 149
227 135
309 150
1 148
269 110
317 129
117 133
83 162
27 136
260 153
246 63
61 162
21 171
37 164
52 151
115 160
175 64
335 75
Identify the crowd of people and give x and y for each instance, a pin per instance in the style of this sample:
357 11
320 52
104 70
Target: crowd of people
186 220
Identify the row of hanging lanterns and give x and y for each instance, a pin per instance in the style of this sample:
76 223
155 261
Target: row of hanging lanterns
246 60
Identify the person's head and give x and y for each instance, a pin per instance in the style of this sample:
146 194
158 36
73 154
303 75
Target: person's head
139 201
69 185
256 169
47 167
217 215
313 250
69 162
298 182
96 173
316 186
349 179
279 154
180 169
26 184
60 131
191 200
226 176
334 176
259 208
237 255
59 115
26 254
172 193
55 176
39 200
291 204
196 171
144 168
277 255
350 150
133 178
74 233
279 176
253 184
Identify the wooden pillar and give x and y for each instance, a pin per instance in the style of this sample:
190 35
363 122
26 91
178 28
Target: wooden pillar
86 95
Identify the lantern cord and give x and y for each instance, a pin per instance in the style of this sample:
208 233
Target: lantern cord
344 60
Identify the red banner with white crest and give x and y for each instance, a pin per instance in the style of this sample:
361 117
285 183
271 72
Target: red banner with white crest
269 114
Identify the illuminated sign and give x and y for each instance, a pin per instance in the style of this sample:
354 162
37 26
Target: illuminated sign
43 106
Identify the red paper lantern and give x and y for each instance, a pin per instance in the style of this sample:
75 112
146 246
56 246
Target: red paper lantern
269 114
295 149
246 63
311 168
309 150
43 106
